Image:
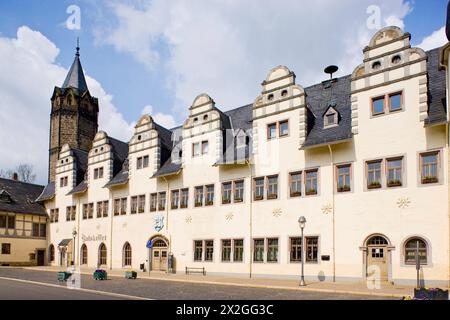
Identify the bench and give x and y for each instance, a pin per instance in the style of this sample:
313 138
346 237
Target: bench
195 270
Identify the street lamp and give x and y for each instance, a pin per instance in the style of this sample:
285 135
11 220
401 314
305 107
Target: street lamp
74 234
302 222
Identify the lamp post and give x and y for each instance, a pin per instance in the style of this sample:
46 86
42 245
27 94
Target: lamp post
74 234
302 222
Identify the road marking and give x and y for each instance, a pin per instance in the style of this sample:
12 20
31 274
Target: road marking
112 294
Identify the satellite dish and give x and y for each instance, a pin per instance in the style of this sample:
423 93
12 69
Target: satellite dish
330 70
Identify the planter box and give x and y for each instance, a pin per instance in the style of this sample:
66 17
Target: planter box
394 183
130 274
430 294
344 189
63 276
374 186
100 275
429 180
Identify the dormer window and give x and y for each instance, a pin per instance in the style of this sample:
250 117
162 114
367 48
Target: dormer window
330 118
63 182
98 173
5 197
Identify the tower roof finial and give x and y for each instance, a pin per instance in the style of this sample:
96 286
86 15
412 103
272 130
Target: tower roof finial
78 47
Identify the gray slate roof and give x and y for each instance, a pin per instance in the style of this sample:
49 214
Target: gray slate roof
80 188
75 78
436 90
48 193
318 99
168 168
121 177
20 197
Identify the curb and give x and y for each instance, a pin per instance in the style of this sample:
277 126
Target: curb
250 285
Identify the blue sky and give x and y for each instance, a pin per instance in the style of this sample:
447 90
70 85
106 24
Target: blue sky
120 74
155 56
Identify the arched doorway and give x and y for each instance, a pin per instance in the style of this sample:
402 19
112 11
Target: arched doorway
377 257
126 255
159 253
51 254
102 253
84 255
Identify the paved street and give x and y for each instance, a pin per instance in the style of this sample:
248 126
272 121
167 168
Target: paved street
145 288
13 290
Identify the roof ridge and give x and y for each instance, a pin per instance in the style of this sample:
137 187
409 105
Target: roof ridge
22 182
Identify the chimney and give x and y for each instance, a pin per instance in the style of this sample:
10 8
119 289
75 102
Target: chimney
15 176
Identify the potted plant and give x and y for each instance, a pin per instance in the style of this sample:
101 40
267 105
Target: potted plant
310 192
344 188
374 185
100 274
429 179
430 294
394 183
130 274
63 276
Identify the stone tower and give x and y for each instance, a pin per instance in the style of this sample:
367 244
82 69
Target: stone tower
74 115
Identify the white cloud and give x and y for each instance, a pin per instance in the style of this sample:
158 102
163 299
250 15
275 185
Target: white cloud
28 74
165 120
226 48
437 39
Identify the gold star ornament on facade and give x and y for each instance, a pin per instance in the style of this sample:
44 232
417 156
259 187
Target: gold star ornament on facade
403 203
327 209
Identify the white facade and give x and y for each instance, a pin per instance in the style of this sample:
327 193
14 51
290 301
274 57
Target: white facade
341 224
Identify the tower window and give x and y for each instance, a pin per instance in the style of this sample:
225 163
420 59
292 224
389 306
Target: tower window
284 93
270 97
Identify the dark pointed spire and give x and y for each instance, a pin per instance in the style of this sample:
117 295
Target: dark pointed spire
75 78
448 22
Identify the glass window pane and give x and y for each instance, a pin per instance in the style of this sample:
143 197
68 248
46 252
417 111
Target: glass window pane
378 105
284 128
395 102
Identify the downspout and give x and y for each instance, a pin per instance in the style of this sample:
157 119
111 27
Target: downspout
333 212
111 201
250 220
448 200
167 212
79 232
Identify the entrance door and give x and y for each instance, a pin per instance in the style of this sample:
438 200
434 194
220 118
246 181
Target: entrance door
40 257
159 259
377 257
159 255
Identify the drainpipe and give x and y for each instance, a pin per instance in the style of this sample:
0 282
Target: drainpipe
448 192
250 219
167 208
333 212
79 232
111 212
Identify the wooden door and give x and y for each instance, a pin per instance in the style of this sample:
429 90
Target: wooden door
156 260
377 257
163 260
40 257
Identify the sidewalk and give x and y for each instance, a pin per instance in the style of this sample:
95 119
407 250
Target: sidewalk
360 288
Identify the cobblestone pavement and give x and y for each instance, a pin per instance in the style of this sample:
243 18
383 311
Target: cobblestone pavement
165 290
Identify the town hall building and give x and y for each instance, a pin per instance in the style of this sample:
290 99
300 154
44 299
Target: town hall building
363 157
